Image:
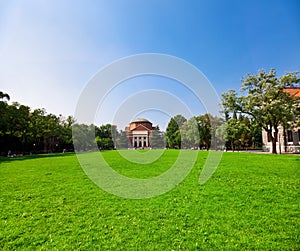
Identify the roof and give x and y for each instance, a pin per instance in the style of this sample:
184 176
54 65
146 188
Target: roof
140 120
294 91
141 128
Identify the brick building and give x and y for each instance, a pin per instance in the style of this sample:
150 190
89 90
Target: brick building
139 132
288 139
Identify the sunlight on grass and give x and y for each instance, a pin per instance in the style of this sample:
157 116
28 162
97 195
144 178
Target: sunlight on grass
251 202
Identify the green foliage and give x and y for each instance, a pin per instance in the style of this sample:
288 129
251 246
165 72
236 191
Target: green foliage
4 96
121 140
23 130
26 131
265 101
104 143
250 203
84 137
158 139
173 131
205 130
105 136
190 134
242 133
199 131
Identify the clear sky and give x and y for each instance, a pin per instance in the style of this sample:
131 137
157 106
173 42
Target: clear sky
50 49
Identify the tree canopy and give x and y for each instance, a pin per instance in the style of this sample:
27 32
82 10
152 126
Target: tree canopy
173 131
264 100
261 103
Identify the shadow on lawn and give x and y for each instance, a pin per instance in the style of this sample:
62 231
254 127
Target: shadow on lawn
34 156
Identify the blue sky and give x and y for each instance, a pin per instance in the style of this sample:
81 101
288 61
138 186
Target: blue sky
50 49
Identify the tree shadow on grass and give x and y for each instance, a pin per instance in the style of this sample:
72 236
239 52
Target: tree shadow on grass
34 156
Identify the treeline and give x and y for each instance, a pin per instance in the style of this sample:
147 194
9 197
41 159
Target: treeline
264 104
23 131
212 132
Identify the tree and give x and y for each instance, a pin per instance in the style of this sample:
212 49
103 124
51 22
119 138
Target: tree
256 134
106 136
121 140
4 95
173 131
232 131
104 143
157 139
66 133
264 101
190 133
204 130
84 137
238 132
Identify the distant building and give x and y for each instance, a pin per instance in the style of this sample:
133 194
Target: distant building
288 140
139 132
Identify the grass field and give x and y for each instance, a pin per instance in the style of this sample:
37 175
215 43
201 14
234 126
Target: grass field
251 202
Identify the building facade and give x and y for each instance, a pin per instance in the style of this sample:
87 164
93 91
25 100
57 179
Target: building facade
139 133
288 140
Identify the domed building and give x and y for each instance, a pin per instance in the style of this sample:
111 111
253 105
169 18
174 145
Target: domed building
139 132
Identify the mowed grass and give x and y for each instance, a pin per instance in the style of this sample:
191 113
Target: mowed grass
250 203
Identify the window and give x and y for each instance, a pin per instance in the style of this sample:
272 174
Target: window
290 136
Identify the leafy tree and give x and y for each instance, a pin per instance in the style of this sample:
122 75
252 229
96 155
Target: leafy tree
4 95
104 143
4 111
157 139
83 137
256 134
179 120
220 134
238 132
264 100
204 125
245 131
190 133
106 136
66 133
121 140
173 131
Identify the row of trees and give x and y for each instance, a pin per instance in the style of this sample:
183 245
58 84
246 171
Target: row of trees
207 131
104 137
193 133
107 137
23 130
261 104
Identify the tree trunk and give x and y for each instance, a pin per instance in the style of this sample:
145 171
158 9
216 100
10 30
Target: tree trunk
45 145
284 139
274 151
274 139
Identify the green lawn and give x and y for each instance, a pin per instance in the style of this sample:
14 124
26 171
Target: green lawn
251 202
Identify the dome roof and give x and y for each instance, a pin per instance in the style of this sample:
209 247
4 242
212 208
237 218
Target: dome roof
140 120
